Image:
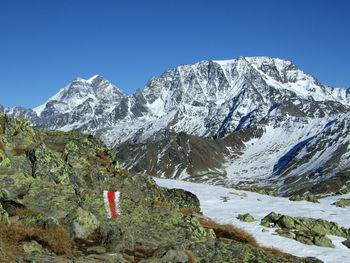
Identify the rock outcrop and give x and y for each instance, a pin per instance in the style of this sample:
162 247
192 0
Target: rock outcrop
305 230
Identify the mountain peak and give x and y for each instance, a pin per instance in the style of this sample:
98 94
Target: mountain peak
80 90
94 78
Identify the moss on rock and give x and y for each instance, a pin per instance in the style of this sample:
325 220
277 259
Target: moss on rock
246 217
308 198
50 199
304 229
81 223
342 203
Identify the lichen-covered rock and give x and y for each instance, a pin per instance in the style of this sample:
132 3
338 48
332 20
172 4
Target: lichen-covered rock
246 217
32 247
285 233
81 223
37 220
319 226
16 184
51 199
342 203
72 155
48 167
346 243
235 252
306 237
322 241
308 198
4 217
4 160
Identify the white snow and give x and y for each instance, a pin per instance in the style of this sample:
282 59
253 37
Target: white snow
241 202
157 107
261 154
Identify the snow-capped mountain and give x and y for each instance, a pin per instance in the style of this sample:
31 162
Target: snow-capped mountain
80 102
246 115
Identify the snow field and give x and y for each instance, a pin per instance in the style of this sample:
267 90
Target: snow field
241 202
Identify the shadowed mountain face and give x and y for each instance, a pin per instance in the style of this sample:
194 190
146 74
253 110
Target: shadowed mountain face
249 121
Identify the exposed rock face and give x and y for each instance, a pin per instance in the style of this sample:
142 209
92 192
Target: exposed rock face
53 194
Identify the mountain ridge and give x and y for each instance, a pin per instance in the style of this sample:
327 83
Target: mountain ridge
210 99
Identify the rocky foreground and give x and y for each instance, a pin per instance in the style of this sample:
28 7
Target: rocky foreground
52 208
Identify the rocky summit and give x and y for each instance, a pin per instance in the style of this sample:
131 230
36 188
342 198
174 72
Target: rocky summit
52 208
250 122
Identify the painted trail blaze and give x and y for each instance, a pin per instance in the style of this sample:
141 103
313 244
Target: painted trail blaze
111 200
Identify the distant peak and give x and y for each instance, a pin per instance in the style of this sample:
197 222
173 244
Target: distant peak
92 79
95 77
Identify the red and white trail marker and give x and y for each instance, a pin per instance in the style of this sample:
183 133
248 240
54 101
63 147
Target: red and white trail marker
111 200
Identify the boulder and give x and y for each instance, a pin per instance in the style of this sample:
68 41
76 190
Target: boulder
346 243
342 203
308 198
50 199
4 217
32 247
81 223
319 226
246 217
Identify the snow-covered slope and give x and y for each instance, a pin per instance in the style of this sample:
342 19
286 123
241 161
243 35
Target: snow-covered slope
208 99
241 202
273 107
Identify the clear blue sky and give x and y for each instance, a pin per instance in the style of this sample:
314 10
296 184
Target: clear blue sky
46 44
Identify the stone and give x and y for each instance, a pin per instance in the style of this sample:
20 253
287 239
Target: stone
4 217
308 198
47 166
246 217
285 233
174 256
51 199
346 243
319 226
32 247
96 250
342 203
323 241
81 223
4 160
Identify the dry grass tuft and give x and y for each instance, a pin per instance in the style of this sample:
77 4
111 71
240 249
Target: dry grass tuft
186 211
56 239
191 257
110 169
275 251
229 232
139 253
2 146
22 211
161 203
105 159
123 172
19 150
